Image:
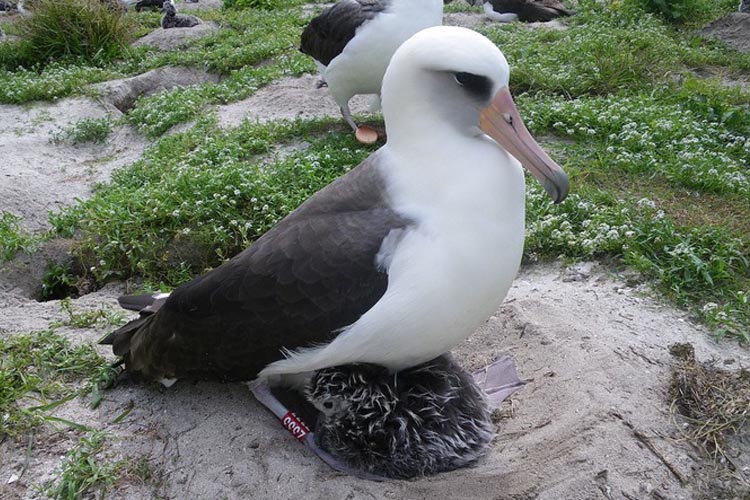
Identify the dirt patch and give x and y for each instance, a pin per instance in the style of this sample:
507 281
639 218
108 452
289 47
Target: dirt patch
24 275
470 20
732 29
39 176
122 94
593 421
287 99
174 38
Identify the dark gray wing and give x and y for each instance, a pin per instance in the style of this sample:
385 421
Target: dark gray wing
310 275
327 34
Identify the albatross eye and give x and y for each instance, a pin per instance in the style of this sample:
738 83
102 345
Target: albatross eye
328 405
477 85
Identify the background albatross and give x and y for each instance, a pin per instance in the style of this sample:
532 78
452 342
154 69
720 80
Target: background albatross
394 263
353 41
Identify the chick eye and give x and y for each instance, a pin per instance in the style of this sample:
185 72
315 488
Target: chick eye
328 405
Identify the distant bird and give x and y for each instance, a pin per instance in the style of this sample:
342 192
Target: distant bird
744 6
523 10
172 19
145 4
353 41
394 263
421 421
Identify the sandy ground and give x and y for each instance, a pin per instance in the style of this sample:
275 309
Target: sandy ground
593 421
594 354
39 176
288 99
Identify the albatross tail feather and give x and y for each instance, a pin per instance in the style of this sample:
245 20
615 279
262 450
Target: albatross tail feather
120 338
147 305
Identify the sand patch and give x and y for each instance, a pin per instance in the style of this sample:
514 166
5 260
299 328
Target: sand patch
288 99
732 29
39 176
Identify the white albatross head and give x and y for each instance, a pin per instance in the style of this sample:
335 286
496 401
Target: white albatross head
448 80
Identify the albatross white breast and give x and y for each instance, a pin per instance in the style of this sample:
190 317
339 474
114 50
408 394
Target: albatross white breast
392 264
353 41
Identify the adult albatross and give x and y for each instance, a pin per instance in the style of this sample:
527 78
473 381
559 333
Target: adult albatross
530 11
394 263
353 41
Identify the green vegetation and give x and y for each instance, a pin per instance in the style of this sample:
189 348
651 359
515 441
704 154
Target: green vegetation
89 29
13 238
39 371
680 11
182 230
82 470
86 319
254 4
87 471
94 130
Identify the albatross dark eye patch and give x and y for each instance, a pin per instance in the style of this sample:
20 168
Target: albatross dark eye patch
477 85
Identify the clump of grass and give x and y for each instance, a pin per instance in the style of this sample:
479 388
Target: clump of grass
94 130
88 29
42 367
242 43
59 281
254 4
715 402
103 316
13 238
86 473
82 471
685 11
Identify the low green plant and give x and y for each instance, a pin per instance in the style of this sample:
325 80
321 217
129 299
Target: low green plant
88 472
182 230
13 238
59 281
95 130
253 4
685 11
103 316
83 471
52 81
89 29
39 371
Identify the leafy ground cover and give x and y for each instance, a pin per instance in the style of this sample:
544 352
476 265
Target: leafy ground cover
40 371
